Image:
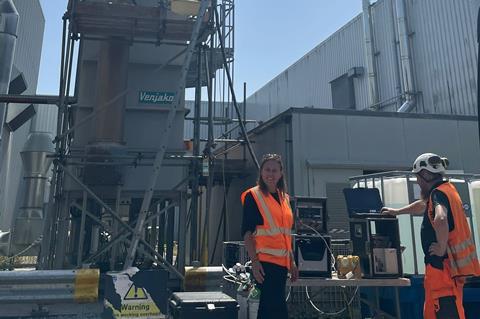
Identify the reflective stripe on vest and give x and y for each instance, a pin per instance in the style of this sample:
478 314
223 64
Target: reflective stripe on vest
273 252
461 246
271 223
463 262
273 231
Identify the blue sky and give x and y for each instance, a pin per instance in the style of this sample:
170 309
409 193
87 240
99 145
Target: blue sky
270 35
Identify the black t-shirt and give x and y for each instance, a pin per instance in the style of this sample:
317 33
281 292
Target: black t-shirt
251 214
428 233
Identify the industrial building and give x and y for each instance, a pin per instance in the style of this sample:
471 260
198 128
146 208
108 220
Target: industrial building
119 192
392 52
369 69
322 149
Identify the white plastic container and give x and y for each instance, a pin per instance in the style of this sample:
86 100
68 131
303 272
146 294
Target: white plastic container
253 308
474 190
242 299
395 195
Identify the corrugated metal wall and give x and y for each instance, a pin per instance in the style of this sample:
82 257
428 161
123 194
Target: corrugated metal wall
307 82
444 54
442 38
46 119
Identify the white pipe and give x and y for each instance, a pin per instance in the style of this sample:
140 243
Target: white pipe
405 58
369 48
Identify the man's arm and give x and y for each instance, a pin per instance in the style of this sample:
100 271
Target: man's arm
416 208
440 225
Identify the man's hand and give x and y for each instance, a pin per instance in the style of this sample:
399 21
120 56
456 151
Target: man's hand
389 211
293 272
437 249
258 272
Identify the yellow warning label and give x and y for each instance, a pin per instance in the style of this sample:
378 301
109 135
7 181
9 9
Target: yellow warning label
135 293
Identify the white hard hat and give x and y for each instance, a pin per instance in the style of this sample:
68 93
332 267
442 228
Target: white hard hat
430 162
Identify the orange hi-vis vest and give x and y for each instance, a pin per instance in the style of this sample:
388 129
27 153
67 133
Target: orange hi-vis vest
273 239
460 246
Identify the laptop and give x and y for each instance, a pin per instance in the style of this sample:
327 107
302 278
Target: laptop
364 203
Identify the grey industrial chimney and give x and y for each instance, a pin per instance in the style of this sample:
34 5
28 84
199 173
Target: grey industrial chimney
28 224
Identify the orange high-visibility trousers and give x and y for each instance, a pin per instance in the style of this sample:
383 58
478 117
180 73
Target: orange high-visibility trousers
443 294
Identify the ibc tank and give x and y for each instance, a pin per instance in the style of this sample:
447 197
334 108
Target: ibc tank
395 195
474 190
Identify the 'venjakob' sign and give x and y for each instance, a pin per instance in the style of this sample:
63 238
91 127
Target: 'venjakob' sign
150 97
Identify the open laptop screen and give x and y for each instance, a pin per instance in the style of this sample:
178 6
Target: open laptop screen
362 200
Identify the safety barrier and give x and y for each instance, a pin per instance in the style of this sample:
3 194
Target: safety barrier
49 286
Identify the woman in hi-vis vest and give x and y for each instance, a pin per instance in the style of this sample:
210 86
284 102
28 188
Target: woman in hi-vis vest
266 229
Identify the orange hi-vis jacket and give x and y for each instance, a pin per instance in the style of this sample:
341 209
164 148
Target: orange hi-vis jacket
273 239
460 246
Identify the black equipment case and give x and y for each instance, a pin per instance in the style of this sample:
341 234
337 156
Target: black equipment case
202 305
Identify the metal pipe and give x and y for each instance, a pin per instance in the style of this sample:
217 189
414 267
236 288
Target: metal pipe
230 84
182 231
81 234
223 120
411 198
115 229
369 53
194 227
49 229
206 228
8 37
245 116
34 99
405 58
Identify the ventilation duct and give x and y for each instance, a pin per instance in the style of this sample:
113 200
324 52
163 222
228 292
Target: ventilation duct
369 48
405 58
36 159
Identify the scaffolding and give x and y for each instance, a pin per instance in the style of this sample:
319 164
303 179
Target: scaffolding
206 40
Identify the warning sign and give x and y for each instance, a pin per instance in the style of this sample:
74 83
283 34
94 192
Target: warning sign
130 298
135 293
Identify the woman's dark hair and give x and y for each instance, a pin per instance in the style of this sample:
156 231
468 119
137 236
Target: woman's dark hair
282 182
